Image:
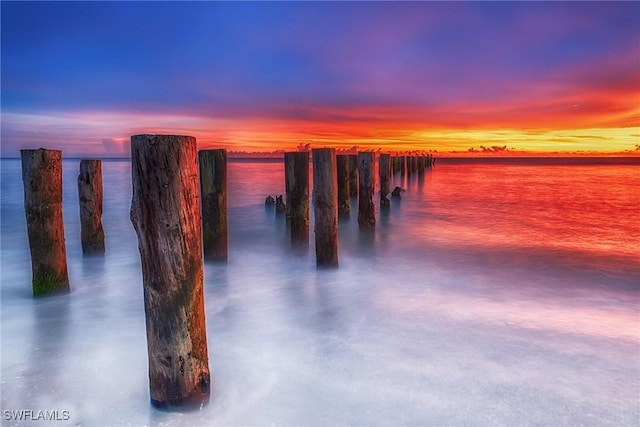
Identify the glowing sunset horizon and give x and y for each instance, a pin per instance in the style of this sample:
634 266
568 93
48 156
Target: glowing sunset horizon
451 78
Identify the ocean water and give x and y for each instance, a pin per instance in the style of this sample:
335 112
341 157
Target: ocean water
492 293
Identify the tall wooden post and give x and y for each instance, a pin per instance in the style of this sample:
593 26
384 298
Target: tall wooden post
165 212
325 205
366 207
42 180
344 193
353 175
90 195
213 193
384 170
403 165
296 176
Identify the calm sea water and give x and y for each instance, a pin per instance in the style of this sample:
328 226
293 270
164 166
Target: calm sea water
492 293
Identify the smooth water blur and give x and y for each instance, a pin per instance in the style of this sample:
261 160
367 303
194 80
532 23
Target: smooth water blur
490 294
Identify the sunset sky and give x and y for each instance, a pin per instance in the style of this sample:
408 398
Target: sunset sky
534 77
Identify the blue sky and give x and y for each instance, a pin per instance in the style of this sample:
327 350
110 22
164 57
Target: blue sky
83 76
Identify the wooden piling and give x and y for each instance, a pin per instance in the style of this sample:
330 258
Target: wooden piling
344 192
384 170
296 175
165 212
353 175
366 207
42 181
91 196
213 194
403 165
325 204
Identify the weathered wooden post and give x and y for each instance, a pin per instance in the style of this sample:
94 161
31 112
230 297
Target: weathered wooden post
403 165
213 194
366 207
384 170
42 180
353 175
421 166
325 205
296 176
90 195
165 212
344 192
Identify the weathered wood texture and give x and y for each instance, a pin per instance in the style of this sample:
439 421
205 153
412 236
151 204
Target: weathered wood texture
165 212
353 175
384 170
42 180
213 194
366 190
296 176
325 203
344 191
90 193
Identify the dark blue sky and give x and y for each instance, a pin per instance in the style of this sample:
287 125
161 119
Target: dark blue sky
106 69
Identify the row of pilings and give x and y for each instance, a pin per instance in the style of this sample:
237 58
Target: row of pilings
179 213
338 178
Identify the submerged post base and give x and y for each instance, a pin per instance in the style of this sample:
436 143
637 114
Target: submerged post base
198 398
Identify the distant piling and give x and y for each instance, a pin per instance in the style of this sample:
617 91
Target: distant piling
165 212
325 204
42 180
384 170
213 194
366 191
403 165
296 175
344 191
90 193
353 175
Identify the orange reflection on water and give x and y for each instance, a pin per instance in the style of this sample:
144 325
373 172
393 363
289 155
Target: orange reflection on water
574 208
